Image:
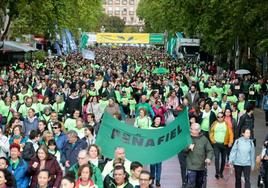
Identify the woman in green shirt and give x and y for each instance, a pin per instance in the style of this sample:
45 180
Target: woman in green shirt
6 111
143 121
58 106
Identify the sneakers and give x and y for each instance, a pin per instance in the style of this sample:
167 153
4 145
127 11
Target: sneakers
217 176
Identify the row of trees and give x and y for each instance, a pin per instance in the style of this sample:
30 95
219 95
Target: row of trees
41 17
228 28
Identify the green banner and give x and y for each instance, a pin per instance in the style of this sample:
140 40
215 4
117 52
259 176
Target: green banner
147 146
157 38
83 41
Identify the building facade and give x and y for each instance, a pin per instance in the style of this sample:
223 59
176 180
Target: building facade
125 9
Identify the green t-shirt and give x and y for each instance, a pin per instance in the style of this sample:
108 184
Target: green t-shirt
232 98
5 111
143 123
185 89
257 87
23 110
70 124
205 123
124 101
117 96
58 107
93 92
128 91
209 91
220 132
219 91
103 104
241 106
201 86
132 104
226 87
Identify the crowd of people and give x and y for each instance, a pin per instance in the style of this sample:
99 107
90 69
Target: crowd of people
51 113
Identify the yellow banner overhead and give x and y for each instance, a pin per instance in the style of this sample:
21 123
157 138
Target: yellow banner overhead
124 38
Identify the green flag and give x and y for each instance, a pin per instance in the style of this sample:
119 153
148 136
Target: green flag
83 43
148 146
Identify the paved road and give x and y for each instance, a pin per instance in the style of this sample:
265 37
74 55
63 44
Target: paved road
171 169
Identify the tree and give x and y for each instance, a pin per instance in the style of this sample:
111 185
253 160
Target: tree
226 28
9 10
112 24
41 17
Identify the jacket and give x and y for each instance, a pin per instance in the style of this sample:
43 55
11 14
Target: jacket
71 104
20 174
54 169
28 126
109 182
195 160
195 99
243 153
70 151
161 112
229 136
96 175
246 121
61 141
28 151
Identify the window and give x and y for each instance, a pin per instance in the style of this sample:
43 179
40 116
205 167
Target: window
117 2
124 11
131 2
131 19
131 11
124 2
125 19
117 11
110 11
110 2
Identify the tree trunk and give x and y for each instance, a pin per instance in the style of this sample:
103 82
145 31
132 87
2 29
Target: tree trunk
237 53
4 35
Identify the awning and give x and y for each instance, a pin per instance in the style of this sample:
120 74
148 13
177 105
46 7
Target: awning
12 46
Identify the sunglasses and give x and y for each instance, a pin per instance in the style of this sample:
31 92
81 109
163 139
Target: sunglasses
220 117
55 127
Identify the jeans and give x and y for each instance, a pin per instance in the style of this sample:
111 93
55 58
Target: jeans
220 150
182 160
195 179
265 168
155 170
266 117
238 174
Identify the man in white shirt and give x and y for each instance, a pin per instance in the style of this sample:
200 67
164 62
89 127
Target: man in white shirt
118 153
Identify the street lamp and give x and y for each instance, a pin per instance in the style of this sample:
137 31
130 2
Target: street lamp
140 29
102 29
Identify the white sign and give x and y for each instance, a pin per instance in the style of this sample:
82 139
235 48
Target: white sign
188 42
92 38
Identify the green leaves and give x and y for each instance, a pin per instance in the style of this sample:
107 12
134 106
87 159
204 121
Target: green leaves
112 24
217 23
40 17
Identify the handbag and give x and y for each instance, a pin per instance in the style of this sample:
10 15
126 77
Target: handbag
4 118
